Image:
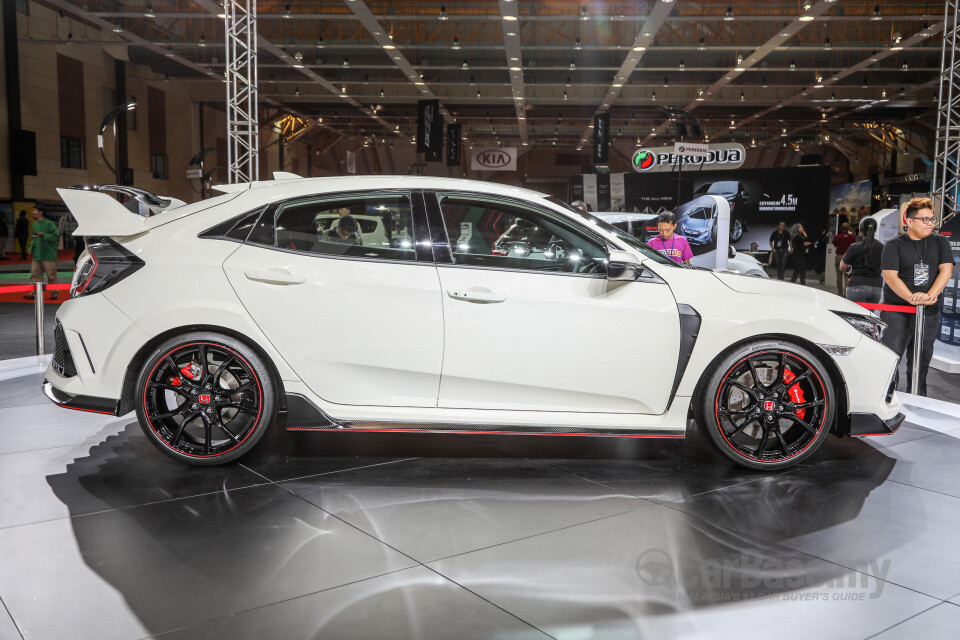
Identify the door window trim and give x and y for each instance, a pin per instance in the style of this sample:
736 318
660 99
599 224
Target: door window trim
417 218
444 256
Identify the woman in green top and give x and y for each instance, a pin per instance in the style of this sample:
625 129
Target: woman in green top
43 246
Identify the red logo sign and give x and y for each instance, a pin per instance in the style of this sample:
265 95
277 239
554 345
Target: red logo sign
768 405
205 398
493 159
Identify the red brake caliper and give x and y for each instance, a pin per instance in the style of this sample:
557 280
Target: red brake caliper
795 393
192 371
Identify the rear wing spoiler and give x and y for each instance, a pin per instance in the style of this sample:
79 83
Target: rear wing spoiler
98 214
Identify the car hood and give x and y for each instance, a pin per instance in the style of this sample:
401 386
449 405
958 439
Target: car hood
693 223
799 293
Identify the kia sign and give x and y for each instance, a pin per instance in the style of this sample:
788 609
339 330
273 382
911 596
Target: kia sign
728 155
493 159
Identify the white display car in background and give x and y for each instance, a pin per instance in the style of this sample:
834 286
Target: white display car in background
644 227
217 320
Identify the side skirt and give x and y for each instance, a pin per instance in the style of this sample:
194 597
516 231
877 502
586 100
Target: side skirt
303 415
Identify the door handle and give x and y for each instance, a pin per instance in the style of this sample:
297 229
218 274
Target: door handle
275 276
475 295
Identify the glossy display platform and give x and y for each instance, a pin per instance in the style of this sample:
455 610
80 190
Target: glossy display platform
345 535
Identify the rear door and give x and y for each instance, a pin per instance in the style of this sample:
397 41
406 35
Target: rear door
357 316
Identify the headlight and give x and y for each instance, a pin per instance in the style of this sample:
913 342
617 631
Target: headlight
869 326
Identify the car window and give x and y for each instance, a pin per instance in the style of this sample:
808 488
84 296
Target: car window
699 213
723 187
363 226
488 233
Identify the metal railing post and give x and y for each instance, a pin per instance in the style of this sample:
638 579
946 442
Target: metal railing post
38 312
917 350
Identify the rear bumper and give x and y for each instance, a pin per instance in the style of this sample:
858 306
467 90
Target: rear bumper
870 424
80 403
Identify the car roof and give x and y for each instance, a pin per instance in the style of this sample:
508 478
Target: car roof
293 187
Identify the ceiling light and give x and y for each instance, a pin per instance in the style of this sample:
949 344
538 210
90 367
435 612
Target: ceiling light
287 14
577 45
465 65
682 66
514 68
876 13
666 81
149 12
583 14
742 97
202 42
510 18
729 15
343 88
653 96
381 92
793 66
573 65
702 45
806 18
806 5
443 13
639 48
319 42
564 95
117 30
346 63
826 45
456 44
478 93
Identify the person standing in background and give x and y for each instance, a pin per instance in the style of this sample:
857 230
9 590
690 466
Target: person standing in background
669 243
863 261
801 242
43 246
916 267
780 249
842 242
4 234
20 233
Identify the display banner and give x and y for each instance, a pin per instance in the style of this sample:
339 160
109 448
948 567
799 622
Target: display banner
727 155
429 130
590 190
950 298
851 198
601 137
690 149
576 188
758 199
493 159
453 145
351 162
603 191
617 193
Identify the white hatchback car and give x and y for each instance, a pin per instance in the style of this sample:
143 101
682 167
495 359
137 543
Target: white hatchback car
216 320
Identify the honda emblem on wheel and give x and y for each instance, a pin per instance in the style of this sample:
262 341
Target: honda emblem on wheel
767 406
205 399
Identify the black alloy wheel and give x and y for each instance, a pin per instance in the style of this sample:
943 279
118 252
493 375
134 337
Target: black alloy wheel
205 399
768 405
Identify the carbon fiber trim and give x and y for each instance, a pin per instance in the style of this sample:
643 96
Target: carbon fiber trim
62 358
437 427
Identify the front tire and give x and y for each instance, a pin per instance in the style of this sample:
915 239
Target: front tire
205 398
767 405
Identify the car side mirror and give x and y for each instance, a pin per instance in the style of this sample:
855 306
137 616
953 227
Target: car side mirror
623 266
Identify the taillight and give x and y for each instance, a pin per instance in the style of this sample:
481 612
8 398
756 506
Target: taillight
109 263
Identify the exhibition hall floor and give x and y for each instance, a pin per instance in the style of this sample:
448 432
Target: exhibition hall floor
344 535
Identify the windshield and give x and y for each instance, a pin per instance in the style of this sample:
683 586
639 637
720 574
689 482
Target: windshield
624 237
723 187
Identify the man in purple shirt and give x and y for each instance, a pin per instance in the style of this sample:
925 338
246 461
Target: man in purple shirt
669 243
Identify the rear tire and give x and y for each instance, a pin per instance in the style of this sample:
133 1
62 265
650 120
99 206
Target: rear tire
767 405
205 398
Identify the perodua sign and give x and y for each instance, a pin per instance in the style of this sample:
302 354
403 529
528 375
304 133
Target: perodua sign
727 155
493 159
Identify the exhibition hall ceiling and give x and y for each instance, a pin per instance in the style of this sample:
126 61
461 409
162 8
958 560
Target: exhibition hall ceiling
537 72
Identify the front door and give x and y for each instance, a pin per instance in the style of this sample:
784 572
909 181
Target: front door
532 323
335 285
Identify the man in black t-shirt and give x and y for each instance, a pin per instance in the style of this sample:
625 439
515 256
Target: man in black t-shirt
780 248
916 267
801 242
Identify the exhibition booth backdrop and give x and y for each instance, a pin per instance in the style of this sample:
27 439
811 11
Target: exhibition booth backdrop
758 198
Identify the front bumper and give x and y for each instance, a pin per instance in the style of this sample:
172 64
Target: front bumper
870 424
80 403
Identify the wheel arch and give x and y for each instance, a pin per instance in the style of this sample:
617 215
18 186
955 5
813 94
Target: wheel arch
128 391
841 424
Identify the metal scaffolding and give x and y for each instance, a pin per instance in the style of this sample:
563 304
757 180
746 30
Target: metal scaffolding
946 166
243 137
